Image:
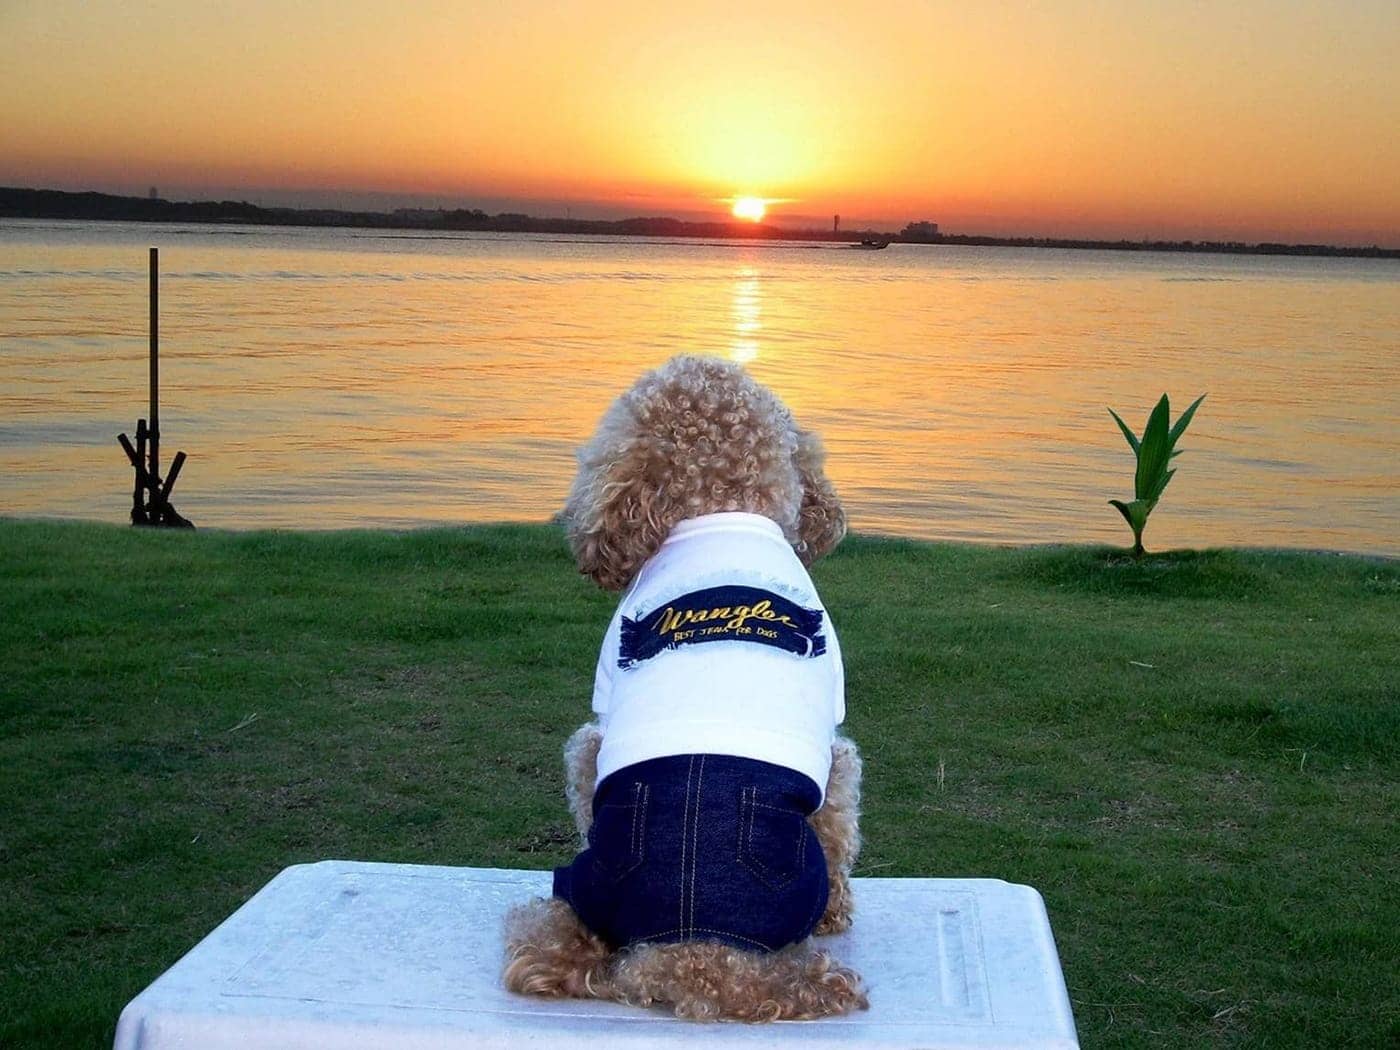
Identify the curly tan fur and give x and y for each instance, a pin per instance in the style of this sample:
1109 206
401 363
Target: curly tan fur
821 520
696 436
550 953
837 825
706 981
581 773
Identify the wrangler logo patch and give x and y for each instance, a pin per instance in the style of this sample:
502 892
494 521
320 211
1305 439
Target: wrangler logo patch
723 614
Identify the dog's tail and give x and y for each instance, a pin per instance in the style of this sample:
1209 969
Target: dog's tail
707 981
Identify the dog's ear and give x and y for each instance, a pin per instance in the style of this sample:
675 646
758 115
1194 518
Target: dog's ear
613 536
822 520
622 504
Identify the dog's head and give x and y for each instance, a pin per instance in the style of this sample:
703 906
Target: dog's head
696 436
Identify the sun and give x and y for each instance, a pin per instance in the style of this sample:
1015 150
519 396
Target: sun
751 208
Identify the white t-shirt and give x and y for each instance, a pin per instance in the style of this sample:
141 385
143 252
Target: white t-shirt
721 647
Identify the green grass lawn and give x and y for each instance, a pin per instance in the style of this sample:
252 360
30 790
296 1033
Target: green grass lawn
1194 758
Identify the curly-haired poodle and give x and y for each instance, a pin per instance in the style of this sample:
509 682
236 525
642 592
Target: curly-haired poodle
717 804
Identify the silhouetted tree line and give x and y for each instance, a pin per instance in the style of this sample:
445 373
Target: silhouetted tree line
59 204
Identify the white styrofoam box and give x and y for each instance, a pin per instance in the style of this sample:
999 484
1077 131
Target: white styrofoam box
343 955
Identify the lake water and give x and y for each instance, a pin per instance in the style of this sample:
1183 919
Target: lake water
336 378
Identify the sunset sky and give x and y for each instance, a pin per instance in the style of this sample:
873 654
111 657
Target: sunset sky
1253 120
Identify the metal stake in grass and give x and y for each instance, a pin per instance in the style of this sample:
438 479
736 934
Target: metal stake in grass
150 499
1154 452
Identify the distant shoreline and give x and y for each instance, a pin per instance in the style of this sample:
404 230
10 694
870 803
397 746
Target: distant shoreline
20 203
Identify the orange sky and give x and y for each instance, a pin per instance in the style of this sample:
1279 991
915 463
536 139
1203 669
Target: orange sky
1255 119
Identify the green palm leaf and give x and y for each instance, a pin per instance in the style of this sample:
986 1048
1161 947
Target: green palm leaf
1180 427
1161 485
1154 451
1134 513
1132 438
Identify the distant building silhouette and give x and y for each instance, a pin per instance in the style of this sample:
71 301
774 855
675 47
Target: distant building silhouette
920 231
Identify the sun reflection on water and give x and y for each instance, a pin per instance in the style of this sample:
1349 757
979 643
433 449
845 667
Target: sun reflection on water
746 310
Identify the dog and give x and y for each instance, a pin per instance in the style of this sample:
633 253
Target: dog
718 808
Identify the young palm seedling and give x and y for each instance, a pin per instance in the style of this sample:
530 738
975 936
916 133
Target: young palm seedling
1154 452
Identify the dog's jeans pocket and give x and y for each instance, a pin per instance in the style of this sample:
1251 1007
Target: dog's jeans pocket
773 838
618 834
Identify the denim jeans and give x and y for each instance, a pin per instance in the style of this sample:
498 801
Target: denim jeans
700 847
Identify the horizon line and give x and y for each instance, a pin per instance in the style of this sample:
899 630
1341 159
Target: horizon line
771 231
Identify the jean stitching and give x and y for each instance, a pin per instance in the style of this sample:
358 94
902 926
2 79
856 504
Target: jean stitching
632 827
745 828
746 833
690 770
704 929
774 879
746 836
633 854
617 868
695 840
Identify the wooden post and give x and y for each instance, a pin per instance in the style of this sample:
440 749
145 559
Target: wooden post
138 497
150 499
154 432
169 487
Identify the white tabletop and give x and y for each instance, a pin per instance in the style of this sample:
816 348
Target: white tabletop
343 955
